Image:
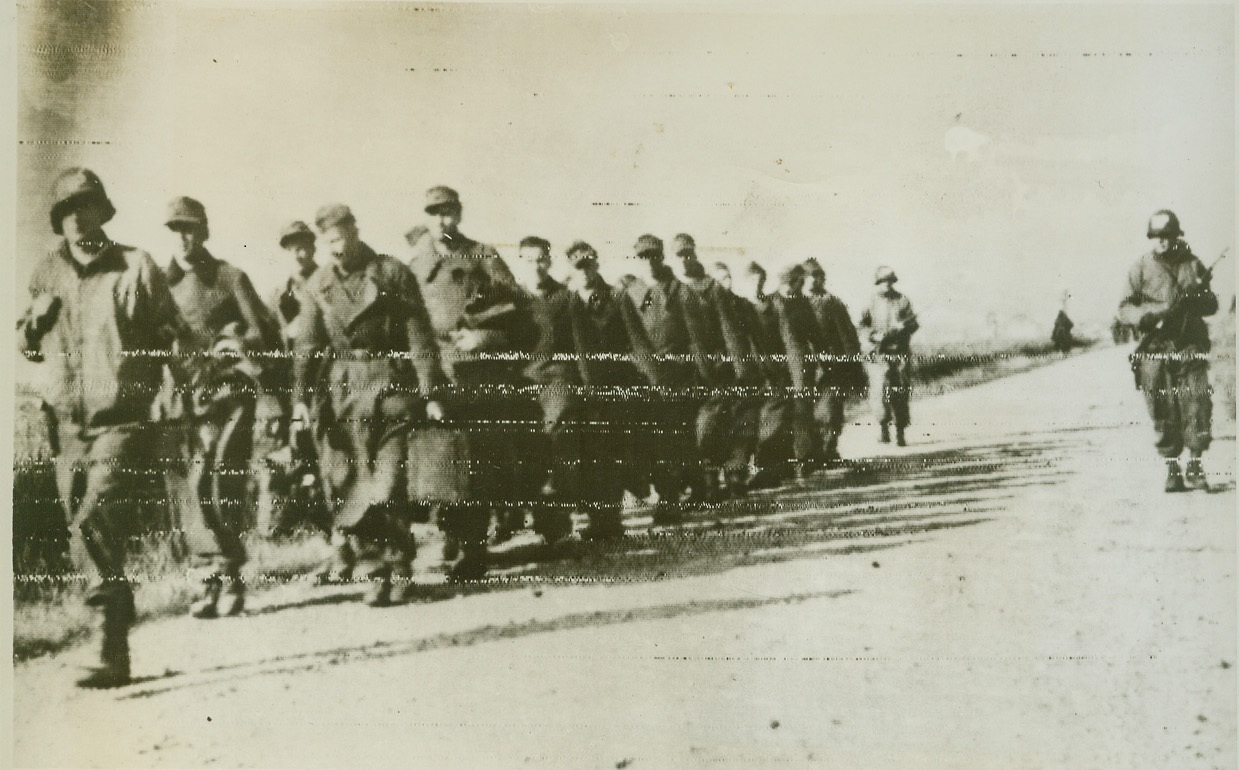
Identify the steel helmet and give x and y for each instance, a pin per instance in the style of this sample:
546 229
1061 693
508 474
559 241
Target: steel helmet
1164 224
73 186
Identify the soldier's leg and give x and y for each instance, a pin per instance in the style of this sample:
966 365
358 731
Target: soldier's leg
603 449
114 464
878 403
746 422
1158 390
386 544
561 425
1196 408
671 444
215 482
828 411
714 442
774 441
901 397
804 431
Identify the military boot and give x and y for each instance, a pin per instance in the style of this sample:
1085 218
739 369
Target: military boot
736 486
605 523
899 437
117 615
379 590
206 606
1195 476
830 453
472 564
402 587
553 522
1174 477
885 436
232 595
667 514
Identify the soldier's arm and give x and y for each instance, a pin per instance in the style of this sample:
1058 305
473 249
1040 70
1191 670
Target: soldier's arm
262 330
639 347
907 319
847 330
1200 298
692 314
423 349
1135 305
794 344
38 319
735 337
496 269
308 341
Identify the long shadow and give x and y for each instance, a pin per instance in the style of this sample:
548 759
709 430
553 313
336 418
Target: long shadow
481 635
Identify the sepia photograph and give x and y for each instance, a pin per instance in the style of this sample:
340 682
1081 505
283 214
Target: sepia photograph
623 385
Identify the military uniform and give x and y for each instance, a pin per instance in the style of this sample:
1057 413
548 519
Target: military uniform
729 366
781 334
370 328
1172 367
103 339
840 372
671 317
230 336
467 285
888 325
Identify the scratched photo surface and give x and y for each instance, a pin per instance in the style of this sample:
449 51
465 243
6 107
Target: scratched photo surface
624 385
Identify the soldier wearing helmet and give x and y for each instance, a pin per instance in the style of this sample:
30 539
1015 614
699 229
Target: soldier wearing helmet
103 322
1167 297
839 371
886 327
228 354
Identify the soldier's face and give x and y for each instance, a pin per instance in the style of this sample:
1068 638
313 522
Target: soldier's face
186 240
445 221
1162 245
817 281
535 256
721 274
82 221
341 243
302 251
583 277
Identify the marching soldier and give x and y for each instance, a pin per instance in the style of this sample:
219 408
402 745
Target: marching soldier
730 365
888 325
839 370
365 318
782 330
213 434
1167 296
102 319
592 421
289 491
552 370
483 325
670 314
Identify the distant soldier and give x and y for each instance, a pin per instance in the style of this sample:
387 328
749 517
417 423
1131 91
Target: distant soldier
290 489
730 365
1167 297
382 377
840 373
484 326
670 315
102 319
231 336
592 421
299 242
781 440
1060 335
552 372
887 325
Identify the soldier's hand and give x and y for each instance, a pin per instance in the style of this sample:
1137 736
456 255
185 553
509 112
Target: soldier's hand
43 312
467 340
290 306
434 411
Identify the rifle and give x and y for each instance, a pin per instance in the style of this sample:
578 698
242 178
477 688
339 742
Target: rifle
1174 318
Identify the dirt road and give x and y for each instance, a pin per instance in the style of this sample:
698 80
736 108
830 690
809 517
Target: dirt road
1012 591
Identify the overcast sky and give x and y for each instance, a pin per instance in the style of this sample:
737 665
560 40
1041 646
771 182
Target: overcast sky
994 157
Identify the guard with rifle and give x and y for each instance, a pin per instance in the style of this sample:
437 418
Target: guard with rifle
1167 297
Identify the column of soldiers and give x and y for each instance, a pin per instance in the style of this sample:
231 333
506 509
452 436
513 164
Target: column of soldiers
554 399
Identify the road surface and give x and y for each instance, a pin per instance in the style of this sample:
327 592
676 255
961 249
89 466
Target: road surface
1012 591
